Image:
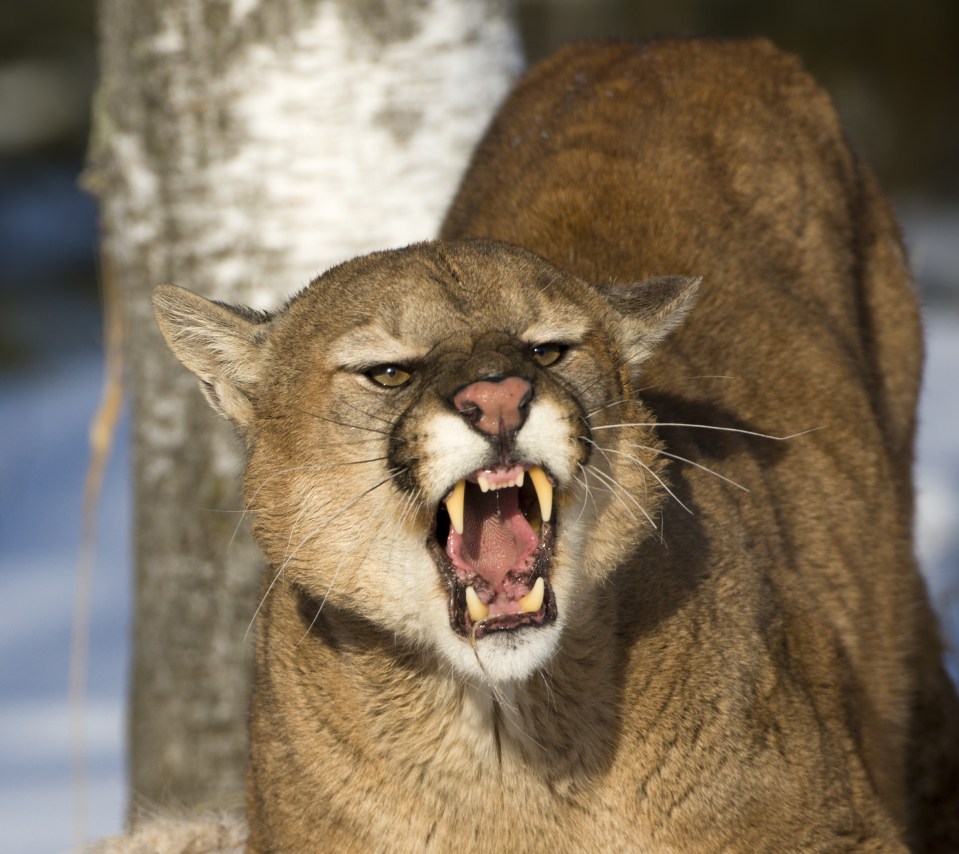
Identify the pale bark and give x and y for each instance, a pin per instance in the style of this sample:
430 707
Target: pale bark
240 148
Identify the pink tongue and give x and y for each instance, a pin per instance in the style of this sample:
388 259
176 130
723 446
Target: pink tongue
496 538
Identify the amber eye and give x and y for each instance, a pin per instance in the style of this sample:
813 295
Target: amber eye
389 376
548 354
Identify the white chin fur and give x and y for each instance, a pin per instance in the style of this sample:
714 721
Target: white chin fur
502 657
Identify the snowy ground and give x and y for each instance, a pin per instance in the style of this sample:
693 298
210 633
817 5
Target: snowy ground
937 475
43 422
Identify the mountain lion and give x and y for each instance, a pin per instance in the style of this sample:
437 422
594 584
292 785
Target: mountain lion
589 524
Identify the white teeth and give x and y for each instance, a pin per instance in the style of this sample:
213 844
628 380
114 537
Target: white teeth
483 481
455 506
455 503
479 611
544 491
532 601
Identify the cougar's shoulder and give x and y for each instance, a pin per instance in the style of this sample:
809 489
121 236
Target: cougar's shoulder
601 543
754 160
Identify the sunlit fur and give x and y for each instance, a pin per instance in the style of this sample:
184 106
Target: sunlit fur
743 657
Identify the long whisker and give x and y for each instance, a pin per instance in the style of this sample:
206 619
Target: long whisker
276 577
713 377
315 467
639 391
309 467
617 486
639 462
280 572
496 692
690 462
326 596
711 427
619 402
396 473
500 700
583 389
329 589
417 503
411 504
602 450
584 480
349 442
293 527
316 531
367 414
345 423
550 696
520 724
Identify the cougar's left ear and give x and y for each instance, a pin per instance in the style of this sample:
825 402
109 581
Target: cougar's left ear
221 344
649 312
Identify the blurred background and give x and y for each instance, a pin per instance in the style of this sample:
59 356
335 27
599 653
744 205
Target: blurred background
891 65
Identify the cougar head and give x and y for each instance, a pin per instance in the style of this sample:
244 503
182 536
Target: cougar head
443 439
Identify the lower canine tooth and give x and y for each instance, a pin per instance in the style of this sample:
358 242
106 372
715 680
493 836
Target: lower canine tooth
533 600
478 611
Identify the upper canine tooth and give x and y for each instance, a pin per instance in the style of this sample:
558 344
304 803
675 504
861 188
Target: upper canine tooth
544 491
533 600
455 504
478 611
483 482
520 478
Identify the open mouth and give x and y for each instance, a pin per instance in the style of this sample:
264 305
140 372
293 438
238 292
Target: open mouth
494 544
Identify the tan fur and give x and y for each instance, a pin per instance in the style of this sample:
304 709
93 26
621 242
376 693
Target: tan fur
760 670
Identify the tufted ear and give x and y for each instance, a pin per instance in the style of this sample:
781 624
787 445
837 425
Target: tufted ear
649 312
221 344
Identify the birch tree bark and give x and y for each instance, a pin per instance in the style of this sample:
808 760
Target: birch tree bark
240 147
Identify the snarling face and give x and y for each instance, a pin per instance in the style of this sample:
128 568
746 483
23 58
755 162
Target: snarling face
444 441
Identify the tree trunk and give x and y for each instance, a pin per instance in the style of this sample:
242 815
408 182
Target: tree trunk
239 149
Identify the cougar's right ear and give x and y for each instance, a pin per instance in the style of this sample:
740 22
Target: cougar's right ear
649 312
221 344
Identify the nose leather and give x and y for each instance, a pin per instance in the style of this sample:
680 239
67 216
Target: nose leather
495 406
